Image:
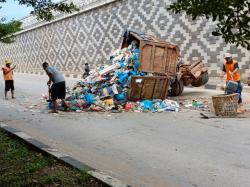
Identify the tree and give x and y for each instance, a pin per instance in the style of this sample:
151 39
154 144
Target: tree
43 9
232 17
7 30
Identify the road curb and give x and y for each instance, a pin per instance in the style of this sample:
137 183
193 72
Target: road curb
29 140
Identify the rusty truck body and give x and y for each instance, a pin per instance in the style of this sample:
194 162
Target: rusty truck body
161 59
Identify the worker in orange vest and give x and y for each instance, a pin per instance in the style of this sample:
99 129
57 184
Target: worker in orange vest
231 69
8 77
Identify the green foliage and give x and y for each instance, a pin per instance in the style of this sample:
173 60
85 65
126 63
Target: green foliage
232 16
43 9
7 30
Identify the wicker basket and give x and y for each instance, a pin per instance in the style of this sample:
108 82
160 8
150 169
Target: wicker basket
226 105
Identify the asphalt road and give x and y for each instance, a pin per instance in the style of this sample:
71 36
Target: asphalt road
141 149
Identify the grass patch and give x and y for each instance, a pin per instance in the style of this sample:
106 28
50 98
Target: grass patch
21 166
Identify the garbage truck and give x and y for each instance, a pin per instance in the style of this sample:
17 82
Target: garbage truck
161 59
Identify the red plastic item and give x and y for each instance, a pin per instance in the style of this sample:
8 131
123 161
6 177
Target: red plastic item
128 106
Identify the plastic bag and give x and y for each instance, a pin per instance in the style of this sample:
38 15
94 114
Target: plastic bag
147 105
90 99
120 97
169 105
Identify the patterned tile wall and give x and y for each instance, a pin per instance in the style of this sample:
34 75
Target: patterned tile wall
92 36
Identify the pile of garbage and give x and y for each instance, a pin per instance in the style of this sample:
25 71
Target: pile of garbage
107 87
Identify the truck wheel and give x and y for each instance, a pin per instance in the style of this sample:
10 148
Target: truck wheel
176 88
203 79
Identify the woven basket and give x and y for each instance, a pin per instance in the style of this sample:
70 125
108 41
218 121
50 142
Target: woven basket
225 105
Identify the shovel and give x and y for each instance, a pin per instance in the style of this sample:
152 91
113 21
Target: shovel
49 92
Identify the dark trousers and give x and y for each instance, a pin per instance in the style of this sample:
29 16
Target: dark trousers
9 85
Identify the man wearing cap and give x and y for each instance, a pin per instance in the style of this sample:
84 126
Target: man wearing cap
231 69
58 88
8 77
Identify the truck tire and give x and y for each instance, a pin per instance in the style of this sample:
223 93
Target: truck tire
176 88
203 79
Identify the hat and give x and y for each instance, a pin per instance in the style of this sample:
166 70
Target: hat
7 61
228 55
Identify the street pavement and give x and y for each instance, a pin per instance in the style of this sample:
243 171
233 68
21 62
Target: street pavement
141 149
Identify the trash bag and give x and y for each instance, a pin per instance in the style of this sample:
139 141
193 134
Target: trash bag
136 65
129 106
122 63
122 77
120 97
147 105
169 105
90 99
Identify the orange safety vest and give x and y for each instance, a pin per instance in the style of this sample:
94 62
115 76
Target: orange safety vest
230 68
7 76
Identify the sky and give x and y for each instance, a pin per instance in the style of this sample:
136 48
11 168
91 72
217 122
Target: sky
12 10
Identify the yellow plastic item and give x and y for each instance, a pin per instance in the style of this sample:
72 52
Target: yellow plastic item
109 101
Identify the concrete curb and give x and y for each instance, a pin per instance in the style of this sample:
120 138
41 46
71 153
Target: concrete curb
99 175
